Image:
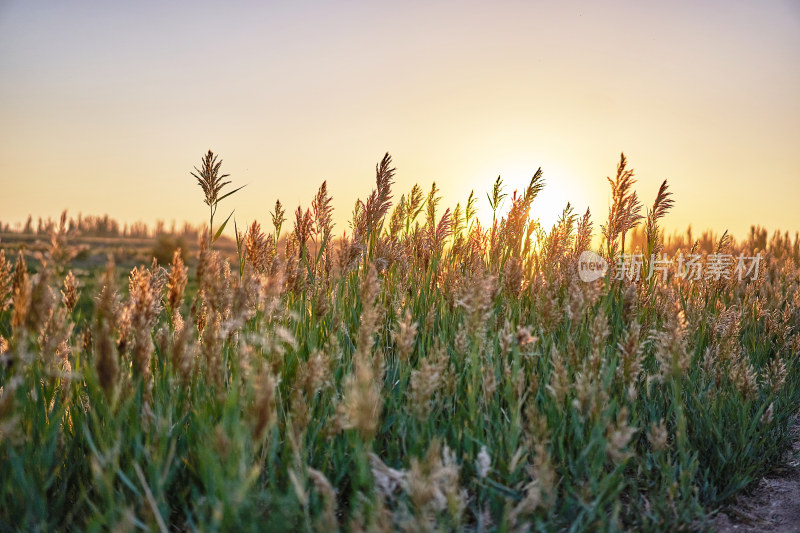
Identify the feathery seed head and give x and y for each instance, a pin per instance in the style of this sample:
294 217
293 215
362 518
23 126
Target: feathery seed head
209 178
6 281
69 294
657 437
176 282
483 463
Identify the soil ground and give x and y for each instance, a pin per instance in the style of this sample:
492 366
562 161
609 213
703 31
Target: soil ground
773 505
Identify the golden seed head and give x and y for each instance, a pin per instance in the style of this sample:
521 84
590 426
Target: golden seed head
69 295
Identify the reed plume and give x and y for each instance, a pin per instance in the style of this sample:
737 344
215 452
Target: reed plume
176 285
260 250
624 212
107 301
370 214
414 206
145 288
6 281
209 178
212 182
69 294
661 206
323 212
278 218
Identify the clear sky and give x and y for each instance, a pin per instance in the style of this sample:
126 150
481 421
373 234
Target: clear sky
105 107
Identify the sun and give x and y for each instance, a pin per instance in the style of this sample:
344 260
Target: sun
548 206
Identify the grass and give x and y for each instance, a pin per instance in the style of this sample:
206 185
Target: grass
421 373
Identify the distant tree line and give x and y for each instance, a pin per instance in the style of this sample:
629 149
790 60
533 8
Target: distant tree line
102 226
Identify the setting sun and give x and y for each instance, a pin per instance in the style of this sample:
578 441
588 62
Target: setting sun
560 189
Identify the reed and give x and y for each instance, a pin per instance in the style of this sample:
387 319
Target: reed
423 372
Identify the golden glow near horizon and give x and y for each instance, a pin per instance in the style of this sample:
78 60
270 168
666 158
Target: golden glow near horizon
107 108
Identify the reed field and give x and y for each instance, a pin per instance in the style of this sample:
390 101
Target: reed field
417 370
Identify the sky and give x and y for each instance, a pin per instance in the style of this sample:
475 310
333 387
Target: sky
106 107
